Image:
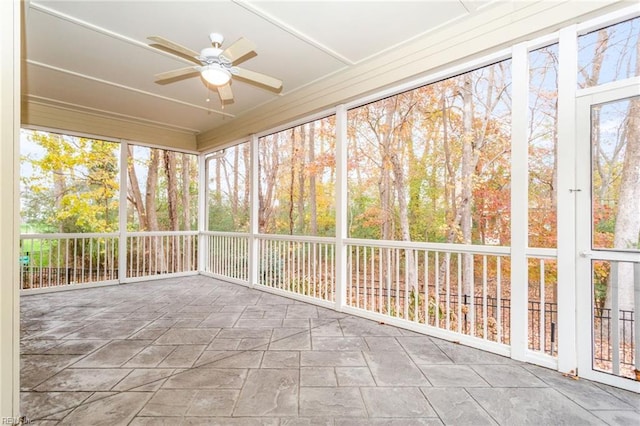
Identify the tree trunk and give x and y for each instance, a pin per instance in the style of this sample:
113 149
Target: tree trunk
384 182
292 179
397 146
235 193
394 180
450 192
172 189
59 189
601 48
228 180
268 166
134 193
186 198
218 196
186 212
628 218
466 181
403 212
313 205
300 166
155 252
152 186
627 229
172 201
246 161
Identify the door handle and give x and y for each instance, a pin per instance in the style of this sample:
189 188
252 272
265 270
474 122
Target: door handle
586 254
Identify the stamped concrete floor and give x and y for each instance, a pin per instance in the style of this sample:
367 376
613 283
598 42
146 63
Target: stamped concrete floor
196 351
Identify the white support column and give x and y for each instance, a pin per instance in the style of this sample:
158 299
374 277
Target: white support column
636 304
122 212
519 201
341 207
254 261
9 215
567 83
203 210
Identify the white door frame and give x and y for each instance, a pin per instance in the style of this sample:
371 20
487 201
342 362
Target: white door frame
584 254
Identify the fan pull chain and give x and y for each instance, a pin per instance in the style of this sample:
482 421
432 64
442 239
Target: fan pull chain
208 100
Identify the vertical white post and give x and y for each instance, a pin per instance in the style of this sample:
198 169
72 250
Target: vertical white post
636 323
122 212
566 152
615 318
254 230
519 201
203 210
9 217
341 206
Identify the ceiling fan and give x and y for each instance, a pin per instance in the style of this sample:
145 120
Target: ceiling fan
215 65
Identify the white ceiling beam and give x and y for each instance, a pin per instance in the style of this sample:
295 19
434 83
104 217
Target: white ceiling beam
251 7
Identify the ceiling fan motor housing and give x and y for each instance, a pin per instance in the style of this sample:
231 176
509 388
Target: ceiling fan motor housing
210 54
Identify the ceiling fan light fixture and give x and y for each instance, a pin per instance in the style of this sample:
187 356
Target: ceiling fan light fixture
216 75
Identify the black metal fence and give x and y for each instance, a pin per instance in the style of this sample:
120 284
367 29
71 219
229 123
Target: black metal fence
602 335
602 326
42 277
601 323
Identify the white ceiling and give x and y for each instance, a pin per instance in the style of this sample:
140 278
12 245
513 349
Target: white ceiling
93 56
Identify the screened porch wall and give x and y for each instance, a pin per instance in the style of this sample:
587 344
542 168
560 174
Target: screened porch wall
494 287
147 211
497 291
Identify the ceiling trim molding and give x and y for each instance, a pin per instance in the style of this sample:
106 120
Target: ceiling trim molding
41 100
129 88
285 27
472 5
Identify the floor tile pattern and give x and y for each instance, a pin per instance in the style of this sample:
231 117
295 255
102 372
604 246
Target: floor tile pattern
197 351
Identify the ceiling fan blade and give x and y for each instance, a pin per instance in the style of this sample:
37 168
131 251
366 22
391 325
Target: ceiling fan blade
176 75
226 95
239 51
162 43
260 79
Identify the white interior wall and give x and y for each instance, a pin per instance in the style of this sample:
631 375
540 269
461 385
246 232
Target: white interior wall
9 221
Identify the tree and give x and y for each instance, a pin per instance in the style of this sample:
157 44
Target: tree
172 189
169 198
627 228
229 187
313 203
186 192
297 181
269 165
134 194
75 183
543 143
607 55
